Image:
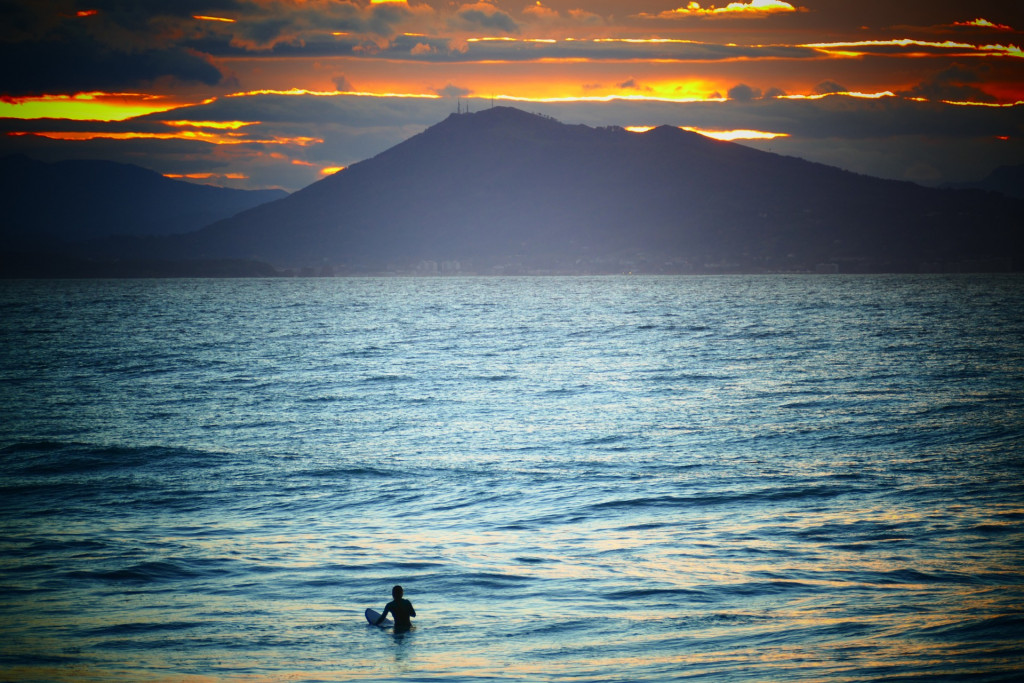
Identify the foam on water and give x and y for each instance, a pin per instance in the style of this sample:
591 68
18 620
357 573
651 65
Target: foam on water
733 478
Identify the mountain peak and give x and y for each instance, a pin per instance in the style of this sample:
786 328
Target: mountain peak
504 190
500 117
501 113
511 121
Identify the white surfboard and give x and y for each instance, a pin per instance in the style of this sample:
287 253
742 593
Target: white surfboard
373 615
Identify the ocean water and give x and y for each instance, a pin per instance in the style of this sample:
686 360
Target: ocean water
777 478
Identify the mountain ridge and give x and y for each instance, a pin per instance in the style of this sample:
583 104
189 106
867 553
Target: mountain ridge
502 190
99 199
1007 180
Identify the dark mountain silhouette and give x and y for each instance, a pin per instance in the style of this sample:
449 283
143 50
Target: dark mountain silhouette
46 205
502 190
1008 180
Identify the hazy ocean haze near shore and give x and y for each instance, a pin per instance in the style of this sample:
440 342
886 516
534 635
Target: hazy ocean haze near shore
737 478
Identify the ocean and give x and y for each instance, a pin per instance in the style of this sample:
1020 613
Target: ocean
735 478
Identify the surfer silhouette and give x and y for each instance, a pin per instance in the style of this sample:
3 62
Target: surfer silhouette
400 608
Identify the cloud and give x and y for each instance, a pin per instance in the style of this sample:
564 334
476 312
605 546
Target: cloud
743 93
483 15
538 12
829 87
452 91
270 24
910 47
342 83
587 18
889 137
954 84
752 8
250 25
79 64
633 84
982 23
520 50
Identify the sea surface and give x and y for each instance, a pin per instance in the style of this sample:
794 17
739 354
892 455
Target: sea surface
771 478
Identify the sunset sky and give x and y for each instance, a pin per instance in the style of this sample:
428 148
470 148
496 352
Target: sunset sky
277 93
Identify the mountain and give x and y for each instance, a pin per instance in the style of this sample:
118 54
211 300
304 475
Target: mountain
502 190
48 204
1008 180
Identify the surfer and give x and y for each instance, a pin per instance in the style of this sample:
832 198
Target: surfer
400 608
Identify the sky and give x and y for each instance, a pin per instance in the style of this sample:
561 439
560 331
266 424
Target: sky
258 94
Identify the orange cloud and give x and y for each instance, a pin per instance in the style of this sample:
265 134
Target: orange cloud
87 106
863 47
738 134
218 125
843 93
330 93
541 13
727 135
203 17
194 135
206 176
681 98
983 23
752 8
995 105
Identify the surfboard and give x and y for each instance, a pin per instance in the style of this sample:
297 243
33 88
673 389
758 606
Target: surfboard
373 615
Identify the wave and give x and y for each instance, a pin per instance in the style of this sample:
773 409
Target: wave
142 628
343 473
329 398
723 498
365 352
644 594
156 571
68 458
984 629
608 440
673 378
387 378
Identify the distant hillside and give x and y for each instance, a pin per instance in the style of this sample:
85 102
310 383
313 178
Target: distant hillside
47 204
1008 180
502 190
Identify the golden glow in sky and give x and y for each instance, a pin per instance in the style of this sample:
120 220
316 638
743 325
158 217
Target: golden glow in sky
862 47
221 125
739 134
202 17
725 135
750 8
361 75
984 23
213 138
87 106
334 93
